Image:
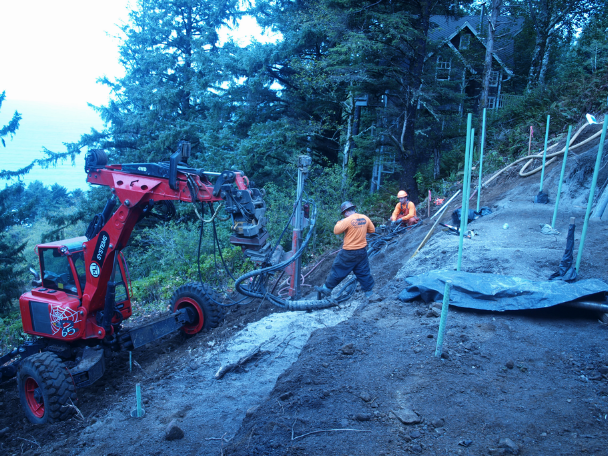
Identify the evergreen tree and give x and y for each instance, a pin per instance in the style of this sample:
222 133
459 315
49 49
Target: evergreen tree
11 250
172 78
555 20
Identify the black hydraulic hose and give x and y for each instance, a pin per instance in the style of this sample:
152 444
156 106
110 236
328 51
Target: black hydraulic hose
290 305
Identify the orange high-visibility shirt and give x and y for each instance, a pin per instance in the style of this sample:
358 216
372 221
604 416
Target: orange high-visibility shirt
356 227
404 211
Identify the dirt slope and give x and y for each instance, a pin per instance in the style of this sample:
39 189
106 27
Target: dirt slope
363 379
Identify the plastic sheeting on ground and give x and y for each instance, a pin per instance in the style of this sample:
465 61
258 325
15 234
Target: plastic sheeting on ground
499 293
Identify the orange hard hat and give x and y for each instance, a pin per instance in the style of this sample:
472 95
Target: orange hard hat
401 194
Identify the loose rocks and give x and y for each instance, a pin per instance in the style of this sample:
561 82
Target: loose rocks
407 416
173 432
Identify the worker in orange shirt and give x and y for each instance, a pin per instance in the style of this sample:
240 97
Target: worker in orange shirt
405 210
353 256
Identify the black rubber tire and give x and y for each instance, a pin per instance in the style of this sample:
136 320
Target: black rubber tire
201 297
55 392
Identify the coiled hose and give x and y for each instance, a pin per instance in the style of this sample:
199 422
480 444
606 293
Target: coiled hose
345 291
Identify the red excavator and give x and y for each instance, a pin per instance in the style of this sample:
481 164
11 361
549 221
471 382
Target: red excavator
82 294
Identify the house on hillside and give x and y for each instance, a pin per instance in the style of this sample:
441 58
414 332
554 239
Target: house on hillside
460 45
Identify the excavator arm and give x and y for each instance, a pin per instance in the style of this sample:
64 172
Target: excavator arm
135 190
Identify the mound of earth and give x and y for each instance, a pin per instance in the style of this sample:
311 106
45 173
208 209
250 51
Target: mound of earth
363 378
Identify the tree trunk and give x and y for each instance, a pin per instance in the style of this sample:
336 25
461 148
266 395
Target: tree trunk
487 66
408 158
348 139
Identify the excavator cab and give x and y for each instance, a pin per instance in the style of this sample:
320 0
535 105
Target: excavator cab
54 308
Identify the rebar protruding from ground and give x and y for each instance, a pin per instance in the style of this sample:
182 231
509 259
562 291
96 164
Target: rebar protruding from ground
465 191
139 411
542 174
444 318
561 178
596 171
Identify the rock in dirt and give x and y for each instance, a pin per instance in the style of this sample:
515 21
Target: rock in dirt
286 395
374 298
363 417
407 416
509 446
348 349
365 396
251 410
438 423
173 431
510 364
4 431
416 448
433 312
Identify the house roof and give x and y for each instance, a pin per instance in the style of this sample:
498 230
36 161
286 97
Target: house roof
443 28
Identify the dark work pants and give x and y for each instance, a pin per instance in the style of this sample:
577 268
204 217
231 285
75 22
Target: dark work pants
348 261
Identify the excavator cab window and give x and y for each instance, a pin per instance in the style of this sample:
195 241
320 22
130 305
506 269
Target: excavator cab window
81 272
119 278
57 271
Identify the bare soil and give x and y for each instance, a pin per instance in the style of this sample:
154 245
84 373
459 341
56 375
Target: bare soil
362 378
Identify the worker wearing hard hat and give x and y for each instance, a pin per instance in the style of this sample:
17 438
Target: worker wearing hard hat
353 256
405 210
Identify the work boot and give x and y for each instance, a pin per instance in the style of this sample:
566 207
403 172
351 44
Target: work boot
369 294
323 291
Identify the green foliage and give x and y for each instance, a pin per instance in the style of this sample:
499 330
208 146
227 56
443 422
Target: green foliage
11 331
13 124
164 257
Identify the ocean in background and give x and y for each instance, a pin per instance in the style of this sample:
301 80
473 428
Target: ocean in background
46 125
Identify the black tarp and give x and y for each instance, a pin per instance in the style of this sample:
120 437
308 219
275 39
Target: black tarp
498 292
473 215
566 270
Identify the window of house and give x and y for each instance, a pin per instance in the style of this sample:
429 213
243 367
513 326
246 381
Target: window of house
494 78
491 102
465 41
443 69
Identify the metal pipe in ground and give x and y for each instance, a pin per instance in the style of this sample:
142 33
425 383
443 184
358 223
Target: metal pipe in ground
588 305
465 191
444 318
598 162
542 174
483 140
561 177
304 162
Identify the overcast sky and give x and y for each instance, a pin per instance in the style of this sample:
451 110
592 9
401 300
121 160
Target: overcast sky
54 50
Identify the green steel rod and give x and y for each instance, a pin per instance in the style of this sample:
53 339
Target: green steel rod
444 318
130 361
138 395
561 178
465 193
542 174
483 140
598 162
470 170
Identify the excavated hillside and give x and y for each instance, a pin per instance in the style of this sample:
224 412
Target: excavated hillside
362 378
